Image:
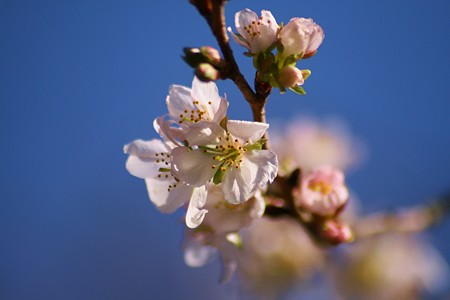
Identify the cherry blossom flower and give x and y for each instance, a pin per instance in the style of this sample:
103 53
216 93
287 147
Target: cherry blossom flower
301 37
218 233
233 158
322 192
309 143
255 34
150 160
189 106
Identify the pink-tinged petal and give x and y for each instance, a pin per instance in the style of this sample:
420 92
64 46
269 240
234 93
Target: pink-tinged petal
179 100
269 19
204 133
239 39
246 131
194 167
166 199
195 212
243 19
259 206
171 135
143 157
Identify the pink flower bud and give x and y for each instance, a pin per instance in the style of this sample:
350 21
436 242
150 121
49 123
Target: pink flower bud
206 72
290 76
322 192
301 36
336 233
211 55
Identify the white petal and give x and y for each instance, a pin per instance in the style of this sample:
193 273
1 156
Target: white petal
221 110
171 135
247 131
206 93
194 167
165 201
195 214
179 100
237 185
204 133
142 161
266 164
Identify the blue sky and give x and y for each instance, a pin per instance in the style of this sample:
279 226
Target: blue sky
79 79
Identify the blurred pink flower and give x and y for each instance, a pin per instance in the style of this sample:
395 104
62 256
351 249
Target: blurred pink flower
308 143
322 192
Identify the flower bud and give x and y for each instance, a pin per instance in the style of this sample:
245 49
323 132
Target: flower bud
300 37
335 232
206 72
289 77
211 55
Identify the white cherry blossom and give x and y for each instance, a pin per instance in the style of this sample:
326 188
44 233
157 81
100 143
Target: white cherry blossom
201 103
233 158
150 160
257 34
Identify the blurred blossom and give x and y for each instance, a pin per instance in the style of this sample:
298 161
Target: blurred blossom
321 191
308 143
218 233
276 255
390 267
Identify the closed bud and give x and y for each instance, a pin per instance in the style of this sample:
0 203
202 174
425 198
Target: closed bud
336 232
193 56
289 77
211 55
206 72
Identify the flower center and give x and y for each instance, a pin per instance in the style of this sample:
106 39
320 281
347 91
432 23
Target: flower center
321 187
200 113
253 29
163 160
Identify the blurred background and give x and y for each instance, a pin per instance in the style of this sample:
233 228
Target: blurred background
79 79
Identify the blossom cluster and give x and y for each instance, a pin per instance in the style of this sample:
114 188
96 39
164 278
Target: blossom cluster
299 39
201 149
267 213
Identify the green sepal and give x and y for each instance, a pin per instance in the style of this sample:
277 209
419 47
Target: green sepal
256 146
298 89
218 176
